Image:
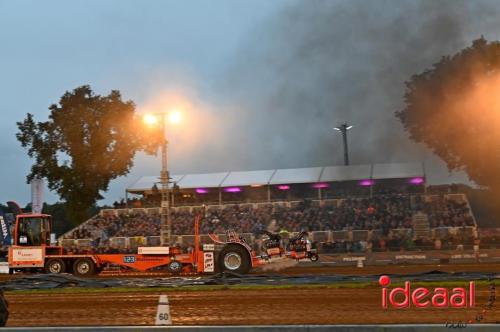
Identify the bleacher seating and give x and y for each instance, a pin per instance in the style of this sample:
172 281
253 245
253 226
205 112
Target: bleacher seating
373 222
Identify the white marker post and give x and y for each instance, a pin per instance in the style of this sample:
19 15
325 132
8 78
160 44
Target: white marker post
163 313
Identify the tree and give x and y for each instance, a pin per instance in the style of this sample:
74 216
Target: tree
88 141
454 109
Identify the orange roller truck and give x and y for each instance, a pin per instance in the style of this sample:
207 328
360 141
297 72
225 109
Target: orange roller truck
32 251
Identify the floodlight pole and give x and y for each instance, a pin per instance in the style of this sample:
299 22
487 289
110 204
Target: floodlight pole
165 225
343 128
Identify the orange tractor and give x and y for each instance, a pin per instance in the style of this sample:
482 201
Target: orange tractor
32 251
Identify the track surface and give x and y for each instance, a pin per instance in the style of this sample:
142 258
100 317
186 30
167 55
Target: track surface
228 307
248 307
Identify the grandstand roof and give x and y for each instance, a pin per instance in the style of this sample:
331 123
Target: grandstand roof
296 175
248 178
146 183
207 180
346 173
397 171
287 176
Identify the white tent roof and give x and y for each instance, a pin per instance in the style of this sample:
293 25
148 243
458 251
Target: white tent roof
286 176
248 178
207 180
397 171
346 173
146 183
296 175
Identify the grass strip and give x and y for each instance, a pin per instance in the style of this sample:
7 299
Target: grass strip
199 288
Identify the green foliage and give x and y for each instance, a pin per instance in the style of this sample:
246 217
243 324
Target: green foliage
454 109
88 141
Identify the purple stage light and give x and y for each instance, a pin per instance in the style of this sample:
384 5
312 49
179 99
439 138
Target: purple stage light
366 183
232 190
320 185
283 187
417 180
201 191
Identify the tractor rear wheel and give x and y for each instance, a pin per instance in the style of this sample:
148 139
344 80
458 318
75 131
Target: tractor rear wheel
55 266
234 258
83 267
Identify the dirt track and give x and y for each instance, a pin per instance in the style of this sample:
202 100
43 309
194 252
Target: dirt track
224 307
247 307
389 269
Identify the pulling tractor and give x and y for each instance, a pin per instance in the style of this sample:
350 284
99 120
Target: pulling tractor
32 251
298 247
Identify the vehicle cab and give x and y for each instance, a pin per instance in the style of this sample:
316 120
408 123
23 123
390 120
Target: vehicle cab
31 241
32 230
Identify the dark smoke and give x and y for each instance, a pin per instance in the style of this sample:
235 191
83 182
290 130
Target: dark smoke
319 63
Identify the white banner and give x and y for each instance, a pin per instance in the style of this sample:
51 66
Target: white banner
27 255
37 195
208 262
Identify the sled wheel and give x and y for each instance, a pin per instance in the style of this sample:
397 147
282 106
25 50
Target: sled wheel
83 267
314 257
234 258
174 267
55 266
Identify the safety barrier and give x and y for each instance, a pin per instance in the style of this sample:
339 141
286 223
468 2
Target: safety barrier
421 256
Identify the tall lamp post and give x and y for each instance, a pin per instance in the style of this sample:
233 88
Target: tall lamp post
343 128
166 223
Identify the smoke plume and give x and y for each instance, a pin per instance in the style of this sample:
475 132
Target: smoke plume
278 264
319 63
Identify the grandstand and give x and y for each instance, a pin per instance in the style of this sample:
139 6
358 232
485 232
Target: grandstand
355 208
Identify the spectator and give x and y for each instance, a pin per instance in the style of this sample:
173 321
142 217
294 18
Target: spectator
381 214
437 243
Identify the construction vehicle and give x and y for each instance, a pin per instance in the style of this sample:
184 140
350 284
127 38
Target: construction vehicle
32 251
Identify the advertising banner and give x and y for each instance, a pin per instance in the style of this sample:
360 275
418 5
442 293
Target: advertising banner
37 195
5 237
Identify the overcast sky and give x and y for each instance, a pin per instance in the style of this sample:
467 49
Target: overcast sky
262 82
141 48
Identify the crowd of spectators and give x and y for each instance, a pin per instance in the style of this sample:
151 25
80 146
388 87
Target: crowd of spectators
397 240
447 212
380 215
